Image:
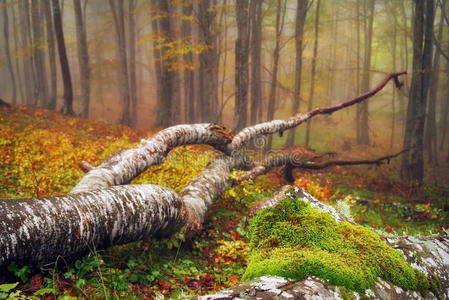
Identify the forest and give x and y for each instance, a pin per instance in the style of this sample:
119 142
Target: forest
224 149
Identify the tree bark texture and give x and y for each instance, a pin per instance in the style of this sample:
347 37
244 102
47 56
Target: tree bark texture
83 57
301 12
25 43
65 69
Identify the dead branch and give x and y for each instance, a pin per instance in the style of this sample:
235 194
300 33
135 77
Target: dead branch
278 126
291 161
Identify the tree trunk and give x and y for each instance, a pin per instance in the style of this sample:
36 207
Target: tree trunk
83 57
7 51
280 21
132 61
241 64
39 56
412 162
169 79
189 74
301 12
118 12
25 43
255 15
363 138
430 135
20 84
65 69
51 104
209 62
313 71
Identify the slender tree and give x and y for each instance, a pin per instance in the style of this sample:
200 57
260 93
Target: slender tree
280 21
209 62
412 167
189 73
27 65
313 71
430 136
83 57
118 12
362 109
301 11
241 64
132 4
7 50
50 33
256 53
39 52
20 84
65 69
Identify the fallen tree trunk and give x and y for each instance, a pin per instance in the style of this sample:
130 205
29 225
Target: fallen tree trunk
99 213
37 231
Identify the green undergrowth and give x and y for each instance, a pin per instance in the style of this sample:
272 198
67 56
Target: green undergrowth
295 240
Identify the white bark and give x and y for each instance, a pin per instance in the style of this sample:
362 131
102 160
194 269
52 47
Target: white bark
38 231
125 165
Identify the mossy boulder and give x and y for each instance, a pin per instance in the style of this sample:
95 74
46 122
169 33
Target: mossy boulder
295 240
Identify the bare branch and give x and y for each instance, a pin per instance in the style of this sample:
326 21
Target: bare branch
291 161
279 126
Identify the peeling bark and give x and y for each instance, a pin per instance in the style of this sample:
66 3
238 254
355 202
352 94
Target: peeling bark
38 231
124 166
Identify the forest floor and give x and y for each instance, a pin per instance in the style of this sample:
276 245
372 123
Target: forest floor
39 155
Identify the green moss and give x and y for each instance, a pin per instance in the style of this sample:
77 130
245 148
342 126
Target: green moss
295 240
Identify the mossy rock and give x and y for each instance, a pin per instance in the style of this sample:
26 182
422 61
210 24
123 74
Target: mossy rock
295 240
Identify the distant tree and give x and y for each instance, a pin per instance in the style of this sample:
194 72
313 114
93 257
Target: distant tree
83 57
189 73
412 167
167 73
209 61
117 8
7 50
27 64
241 64
280 21
362 109
430 133
39 53
19 78
50 33
256 16
65 69
313 71
132 4
301 12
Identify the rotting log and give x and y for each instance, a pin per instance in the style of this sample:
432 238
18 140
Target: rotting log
430 255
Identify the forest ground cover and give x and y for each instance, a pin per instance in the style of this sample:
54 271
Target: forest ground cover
40 151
